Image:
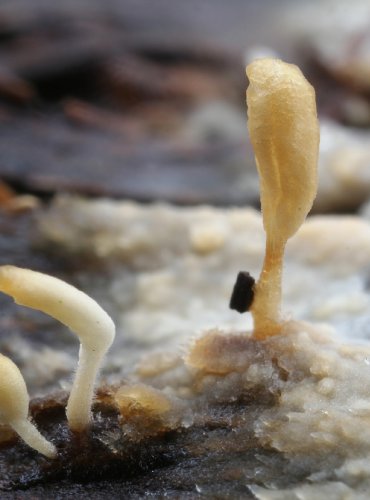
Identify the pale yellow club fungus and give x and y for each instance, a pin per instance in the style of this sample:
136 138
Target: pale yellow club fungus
81 314
14 403
284 131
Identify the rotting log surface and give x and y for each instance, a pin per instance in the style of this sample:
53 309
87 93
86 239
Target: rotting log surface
48 155
217 456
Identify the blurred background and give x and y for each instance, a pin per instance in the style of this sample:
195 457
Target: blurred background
145 99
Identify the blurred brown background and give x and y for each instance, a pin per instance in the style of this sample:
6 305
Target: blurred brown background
145 100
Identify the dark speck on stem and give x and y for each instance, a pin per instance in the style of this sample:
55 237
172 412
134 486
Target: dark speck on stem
243 292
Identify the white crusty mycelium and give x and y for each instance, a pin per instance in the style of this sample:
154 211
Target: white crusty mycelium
14 402
81 314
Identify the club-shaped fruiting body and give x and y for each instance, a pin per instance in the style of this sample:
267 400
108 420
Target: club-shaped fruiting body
81 314
284 131
14 402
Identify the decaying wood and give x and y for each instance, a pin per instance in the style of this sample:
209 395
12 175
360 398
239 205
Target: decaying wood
49 155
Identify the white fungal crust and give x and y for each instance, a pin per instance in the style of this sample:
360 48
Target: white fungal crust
77 311
14 401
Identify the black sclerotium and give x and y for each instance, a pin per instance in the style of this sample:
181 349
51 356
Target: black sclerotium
243 292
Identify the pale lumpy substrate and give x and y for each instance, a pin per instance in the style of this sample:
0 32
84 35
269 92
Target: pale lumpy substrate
322 419
170 274
302 394
171 270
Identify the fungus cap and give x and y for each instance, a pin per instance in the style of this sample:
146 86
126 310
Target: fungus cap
14 398
14 401
72 307
81 314
284 132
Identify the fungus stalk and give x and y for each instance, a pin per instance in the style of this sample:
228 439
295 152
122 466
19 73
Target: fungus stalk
81 314
284 131
14 402
267 298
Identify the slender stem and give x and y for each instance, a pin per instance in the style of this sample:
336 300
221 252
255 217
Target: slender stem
30 435
267 299
82 393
